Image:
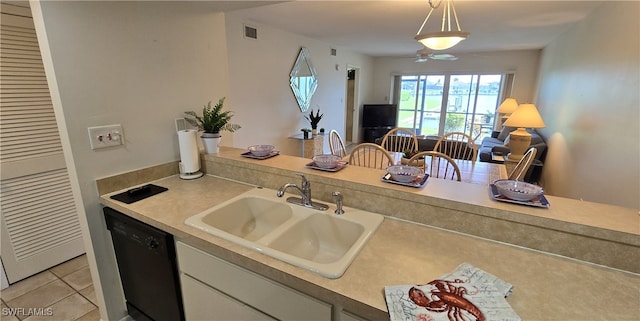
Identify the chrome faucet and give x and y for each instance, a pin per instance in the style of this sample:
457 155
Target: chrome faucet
338 198
305 194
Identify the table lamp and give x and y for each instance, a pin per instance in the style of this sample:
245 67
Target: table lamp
507 107
525 116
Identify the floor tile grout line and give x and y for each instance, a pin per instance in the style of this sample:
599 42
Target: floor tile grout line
57 277
76 290
30 291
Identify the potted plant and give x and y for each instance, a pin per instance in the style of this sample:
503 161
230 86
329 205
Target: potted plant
314 120
488 117
212 121
406 156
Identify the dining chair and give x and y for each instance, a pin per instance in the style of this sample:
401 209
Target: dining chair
370 155
520 171
437 165
457 145
400 140
336 145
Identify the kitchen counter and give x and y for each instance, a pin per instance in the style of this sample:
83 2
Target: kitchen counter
400 252
587 231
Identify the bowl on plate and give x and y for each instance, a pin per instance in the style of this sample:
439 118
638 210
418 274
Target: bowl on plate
261 150
517 190
326 160
404 173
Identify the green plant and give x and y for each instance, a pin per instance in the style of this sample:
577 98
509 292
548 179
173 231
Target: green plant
408 153
454 123
488 117
314 119
213 119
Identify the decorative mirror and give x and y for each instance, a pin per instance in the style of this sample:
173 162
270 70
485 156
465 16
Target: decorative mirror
303 80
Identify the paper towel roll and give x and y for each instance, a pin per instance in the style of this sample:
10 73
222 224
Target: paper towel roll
187 139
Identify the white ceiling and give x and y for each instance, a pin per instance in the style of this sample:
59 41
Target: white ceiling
387 28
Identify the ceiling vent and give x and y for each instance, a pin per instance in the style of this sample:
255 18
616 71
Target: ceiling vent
250 32
334 52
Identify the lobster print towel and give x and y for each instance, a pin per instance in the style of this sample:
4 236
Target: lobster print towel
466 294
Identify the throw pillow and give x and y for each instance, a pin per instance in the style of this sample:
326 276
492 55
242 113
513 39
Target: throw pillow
504 133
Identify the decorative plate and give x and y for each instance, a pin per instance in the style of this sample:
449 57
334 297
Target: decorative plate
341 165
420 181
248 154
539 201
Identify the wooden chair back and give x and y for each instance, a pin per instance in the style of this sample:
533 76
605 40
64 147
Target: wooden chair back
370 155
336 145
437 165
400 140
457 145
521 169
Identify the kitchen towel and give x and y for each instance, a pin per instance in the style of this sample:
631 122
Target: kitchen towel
467 293
189 156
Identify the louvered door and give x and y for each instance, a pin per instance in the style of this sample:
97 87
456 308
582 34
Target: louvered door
40 227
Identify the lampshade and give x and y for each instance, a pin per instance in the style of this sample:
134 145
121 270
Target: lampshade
441 40
525 116
445 38
508 106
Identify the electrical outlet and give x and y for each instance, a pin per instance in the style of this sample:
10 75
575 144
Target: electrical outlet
106 136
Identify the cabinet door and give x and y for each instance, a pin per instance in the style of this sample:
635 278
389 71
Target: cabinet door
345 316
263 294
202 302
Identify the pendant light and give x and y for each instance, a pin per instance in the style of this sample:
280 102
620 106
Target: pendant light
445 38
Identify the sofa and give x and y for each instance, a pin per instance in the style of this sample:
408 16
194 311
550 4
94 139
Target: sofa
495 144
425 143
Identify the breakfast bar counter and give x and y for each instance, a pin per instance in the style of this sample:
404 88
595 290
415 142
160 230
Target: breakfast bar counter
404 250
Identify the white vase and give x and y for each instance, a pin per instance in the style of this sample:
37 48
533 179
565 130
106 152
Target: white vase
211 143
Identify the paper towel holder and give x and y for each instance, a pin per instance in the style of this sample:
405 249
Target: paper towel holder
184 175
189 165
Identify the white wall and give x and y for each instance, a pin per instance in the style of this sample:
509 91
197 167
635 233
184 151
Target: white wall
523 63
142 64
259 82
588 97
139 64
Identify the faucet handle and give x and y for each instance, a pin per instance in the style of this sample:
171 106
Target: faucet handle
305 181
338 198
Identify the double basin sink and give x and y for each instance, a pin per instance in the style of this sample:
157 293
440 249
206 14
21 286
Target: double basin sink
319 241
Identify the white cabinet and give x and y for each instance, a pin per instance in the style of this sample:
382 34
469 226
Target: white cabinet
202 302
212 286
345 316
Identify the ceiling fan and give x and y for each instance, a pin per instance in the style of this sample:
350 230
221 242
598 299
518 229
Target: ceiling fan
423 55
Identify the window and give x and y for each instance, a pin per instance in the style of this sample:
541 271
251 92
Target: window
438 104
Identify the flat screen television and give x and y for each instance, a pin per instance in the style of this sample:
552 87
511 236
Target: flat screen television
379 115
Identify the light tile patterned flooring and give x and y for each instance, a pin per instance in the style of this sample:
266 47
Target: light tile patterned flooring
62 293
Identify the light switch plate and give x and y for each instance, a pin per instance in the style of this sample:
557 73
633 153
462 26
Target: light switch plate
106 136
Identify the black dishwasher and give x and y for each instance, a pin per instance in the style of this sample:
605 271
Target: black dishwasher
147 266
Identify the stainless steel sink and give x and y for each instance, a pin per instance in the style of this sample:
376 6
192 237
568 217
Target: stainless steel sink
319 241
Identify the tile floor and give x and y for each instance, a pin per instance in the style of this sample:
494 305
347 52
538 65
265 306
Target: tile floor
62 293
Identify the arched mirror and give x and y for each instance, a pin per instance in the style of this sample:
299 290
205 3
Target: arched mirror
303 79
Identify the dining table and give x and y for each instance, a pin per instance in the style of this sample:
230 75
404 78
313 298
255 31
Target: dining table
483 173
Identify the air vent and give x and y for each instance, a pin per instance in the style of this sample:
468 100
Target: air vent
334 52
250 32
